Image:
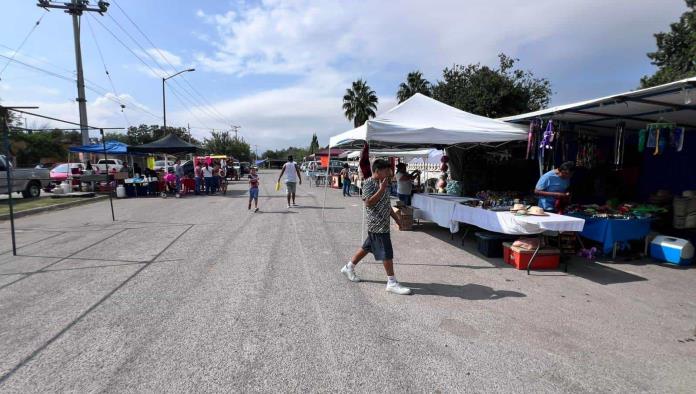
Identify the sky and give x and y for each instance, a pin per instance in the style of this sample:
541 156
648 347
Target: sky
279 68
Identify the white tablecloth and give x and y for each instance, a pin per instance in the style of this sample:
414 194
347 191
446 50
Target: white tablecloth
508 223
437 209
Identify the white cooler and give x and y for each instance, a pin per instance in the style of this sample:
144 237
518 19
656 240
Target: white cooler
672 250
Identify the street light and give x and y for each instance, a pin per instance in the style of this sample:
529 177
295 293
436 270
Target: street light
164 106
164 100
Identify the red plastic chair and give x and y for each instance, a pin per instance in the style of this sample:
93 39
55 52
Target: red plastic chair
188 185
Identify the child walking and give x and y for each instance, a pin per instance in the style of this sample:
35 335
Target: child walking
253 189
378 242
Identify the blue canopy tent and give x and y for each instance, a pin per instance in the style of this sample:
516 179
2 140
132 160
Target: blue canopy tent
112 148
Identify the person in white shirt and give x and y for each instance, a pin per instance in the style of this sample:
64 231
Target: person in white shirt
292 176
404 183
208 176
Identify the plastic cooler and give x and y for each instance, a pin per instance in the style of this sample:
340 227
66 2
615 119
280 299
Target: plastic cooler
491 244
546 258
672 250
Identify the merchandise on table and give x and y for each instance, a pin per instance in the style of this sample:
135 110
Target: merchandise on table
622 211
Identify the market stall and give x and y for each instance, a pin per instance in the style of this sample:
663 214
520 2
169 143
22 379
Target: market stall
422 122
437 208
630 147
170 144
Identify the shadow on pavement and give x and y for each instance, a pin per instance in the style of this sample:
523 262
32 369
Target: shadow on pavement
601 274
469 291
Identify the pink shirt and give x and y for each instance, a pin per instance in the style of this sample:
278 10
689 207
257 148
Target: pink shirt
170 177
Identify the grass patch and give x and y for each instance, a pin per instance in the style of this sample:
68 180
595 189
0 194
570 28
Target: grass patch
22 204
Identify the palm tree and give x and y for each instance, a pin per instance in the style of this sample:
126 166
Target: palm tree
360 103
414 84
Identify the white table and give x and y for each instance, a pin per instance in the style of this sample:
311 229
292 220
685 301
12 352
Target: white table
437 208
508 223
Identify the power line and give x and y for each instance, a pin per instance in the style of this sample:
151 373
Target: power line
23 42
65 121
205 102
98 89
155 72
106 71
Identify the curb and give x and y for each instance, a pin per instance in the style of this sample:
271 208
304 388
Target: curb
56 207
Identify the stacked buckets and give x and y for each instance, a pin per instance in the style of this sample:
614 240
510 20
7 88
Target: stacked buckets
685 210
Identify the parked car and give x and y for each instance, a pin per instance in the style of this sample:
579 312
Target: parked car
244 168
46 166
60 172
28 181
159 165
113 164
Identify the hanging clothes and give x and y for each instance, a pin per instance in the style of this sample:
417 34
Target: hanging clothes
619 142
642 139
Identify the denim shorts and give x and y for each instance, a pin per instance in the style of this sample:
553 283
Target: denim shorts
379 244
291 187
254 193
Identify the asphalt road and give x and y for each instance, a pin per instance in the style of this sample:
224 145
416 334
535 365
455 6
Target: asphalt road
199 295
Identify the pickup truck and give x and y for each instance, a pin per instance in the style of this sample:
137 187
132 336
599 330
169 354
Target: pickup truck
28 181
114 165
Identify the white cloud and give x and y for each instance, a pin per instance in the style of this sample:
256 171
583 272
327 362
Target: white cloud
336 42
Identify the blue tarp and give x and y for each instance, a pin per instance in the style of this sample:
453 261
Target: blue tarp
260 161
112 148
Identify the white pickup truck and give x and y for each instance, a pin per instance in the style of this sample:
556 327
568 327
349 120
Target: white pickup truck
114 164
28 181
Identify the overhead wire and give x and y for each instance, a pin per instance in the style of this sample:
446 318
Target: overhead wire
24 41
93 87
206 103
106 70
143 62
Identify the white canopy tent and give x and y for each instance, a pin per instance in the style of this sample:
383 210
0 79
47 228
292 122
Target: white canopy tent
406 154
422 122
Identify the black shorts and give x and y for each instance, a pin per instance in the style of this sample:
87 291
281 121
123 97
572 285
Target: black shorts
379 244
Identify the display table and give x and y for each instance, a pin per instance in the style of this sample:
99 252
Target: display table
509 223
612 231
437 208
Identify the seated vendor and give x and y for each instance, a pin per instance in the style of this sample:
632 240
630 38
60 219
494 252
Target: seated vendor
552 187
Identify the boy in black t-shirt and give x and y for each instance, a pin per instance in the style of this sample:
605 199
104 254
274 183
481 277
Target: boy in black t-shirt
378 242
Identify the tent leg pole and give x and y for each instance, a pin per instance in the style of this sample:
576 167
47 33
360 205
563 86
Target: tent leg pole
326 183
108 185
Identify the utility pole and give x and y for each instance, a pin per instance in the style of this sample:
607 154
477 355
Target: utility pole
236 129
75 8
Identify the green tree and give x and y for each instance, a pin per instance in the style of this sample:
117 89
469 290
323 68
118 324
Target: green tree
415 83
144 134
30 149
314 145
675 57
222 142
360 103
120 137
492 92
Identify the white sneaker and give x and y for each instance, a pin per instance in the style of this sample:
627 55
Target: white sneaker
350 274
396 288
289 206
